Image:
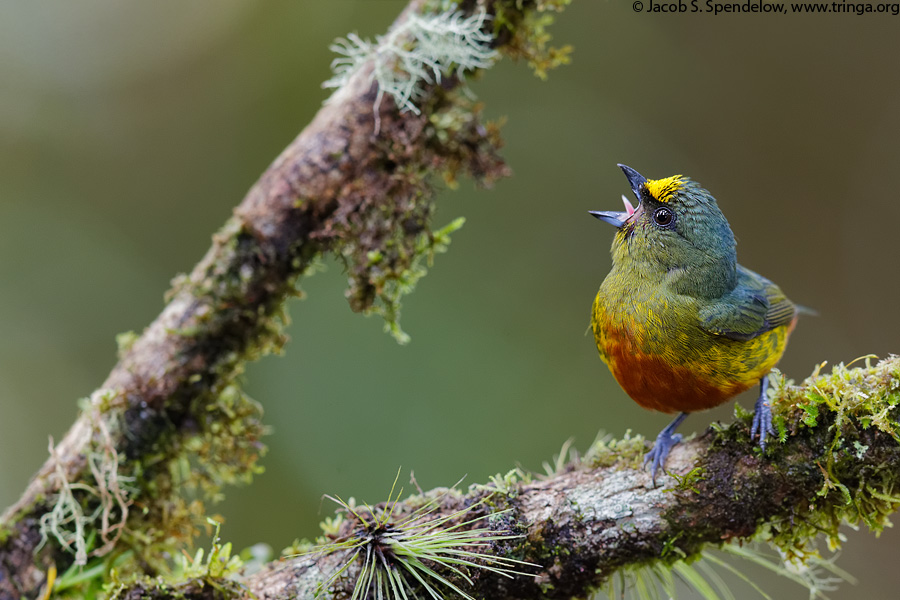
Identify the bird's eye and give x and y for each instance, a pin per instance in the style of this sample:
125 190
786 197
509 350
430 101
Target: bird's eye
663 216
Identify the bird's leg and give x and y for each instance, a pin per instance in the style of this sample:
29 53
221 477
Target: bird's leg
664 442
762 415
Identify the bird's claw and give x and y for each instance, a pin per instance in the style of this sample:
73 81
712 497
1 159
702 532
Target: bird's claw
660 451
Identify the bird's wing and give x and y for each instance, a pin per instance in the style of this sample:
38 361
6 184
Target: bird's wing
755 306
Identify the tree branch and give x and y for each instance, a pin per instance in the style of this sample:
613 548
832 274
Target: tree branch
356 182
600 513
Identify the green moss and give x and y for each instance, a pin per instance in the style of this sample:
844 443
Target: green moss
152 504
845 424
225 449
627 452
124 341
504 485
842 410
688 482
525 33
147 491
840 433
520 29
387 244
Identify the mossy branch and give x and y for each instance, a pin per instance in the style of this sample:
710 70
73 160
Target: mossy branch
358 182
568 532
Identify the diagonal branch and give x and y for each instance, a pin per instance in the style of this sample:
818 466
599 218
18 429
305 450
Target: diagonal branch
358 182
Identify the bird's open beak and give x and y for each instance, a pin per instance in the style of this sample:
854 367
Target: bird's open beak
636 180
618 219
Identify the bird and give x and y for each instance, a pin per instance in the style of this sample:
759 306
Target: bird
680 324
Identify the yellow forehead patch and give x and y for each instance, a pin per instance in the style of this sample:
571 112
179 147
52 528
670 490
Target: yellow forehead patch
662 189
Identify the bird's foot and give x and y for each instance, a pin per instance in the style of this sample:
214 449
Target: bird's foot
666 439
660 451
762 415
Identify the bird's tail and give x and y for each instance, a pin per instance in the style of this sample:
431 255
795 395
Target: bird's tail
805 310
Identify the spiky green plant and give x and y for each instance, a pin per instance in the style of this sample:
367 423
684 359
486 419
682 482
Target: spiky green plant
392 556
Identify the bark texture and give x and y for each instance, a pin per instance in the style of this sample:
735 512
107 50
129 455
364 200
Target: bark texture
356 181
601 512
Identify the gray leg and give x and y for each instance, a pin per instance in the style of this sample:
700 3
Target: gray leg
762 415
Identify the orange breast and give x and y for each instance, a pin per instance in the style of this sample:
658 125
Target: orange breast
685 369
657 384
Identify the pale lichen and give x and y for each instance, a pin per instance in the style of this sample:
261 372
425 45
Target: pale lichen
87 518
421 50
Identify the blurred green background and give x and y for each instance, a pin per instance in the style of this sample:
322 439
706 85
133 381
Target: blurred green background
129 130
